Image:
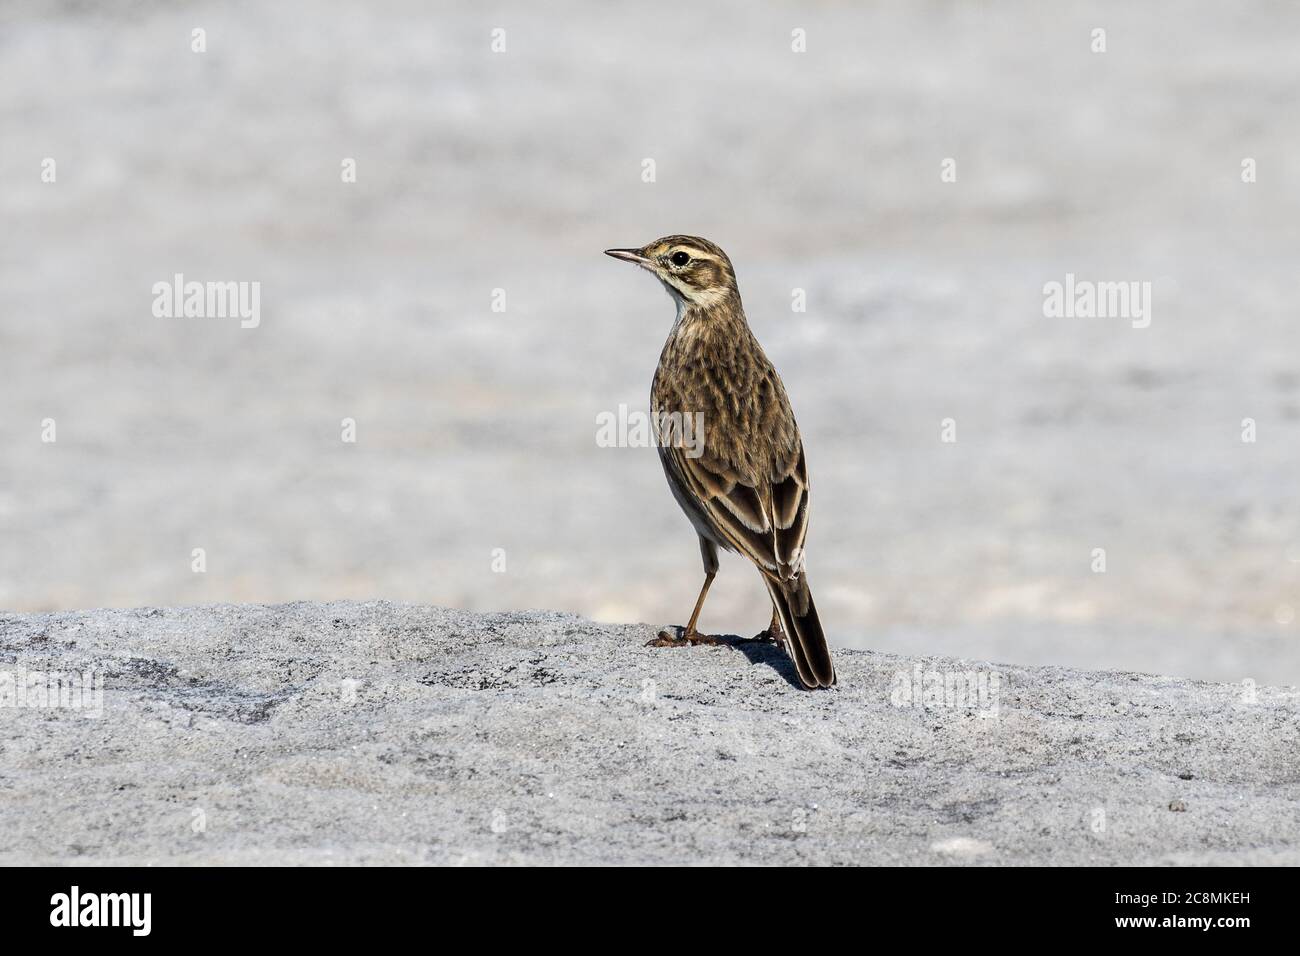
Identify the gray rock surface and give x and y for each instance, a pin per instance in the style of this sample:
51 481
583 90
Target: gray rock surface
388 733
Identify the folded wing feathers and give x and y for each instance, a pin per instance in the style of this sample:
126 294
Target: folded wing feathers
767 524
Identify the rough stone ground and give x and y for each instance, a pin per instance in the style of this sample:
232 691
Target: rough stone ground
388 733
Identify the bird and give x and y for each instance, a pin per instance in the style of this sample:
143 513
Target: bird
743 480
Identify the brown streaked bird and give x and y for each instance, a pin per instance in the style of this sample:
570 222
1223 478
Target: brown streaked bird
743 483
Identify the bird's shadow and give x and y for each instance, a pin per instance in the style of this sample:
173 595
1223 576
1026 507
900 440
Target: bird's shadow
760 652
769 653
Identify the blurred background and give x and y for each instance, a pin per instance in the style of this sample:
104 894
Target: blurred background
818 171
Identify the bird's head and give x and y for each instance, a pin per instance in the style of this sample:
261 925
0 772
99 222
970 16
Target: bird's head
694 271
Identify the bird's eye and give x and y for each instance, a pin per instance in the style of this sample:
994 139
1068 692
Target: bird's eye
680 258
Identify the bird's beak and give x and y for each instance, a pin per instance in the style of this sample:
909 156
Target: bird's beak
629 255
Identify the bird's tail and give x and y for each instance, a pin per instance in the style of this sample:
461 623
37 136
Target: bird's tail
805 640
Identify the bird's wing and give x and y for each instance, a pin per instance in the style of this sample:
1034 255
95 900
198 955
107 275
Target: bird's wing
764 517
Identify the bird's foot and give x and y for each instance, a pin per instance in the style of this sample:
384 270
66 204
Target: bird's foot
770 636
681 637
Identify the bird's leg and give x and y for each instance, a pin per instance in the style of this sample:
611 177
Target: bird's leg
690 636
773 632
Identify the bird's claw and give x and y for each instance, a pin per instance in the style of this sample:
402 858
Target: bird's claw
681 637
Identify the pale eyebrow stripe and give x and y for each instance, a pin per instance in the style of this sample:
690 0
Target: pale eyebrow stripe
694 253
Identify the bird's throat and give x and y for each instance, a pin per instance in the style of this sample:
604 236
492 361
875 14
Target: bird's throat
719 315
